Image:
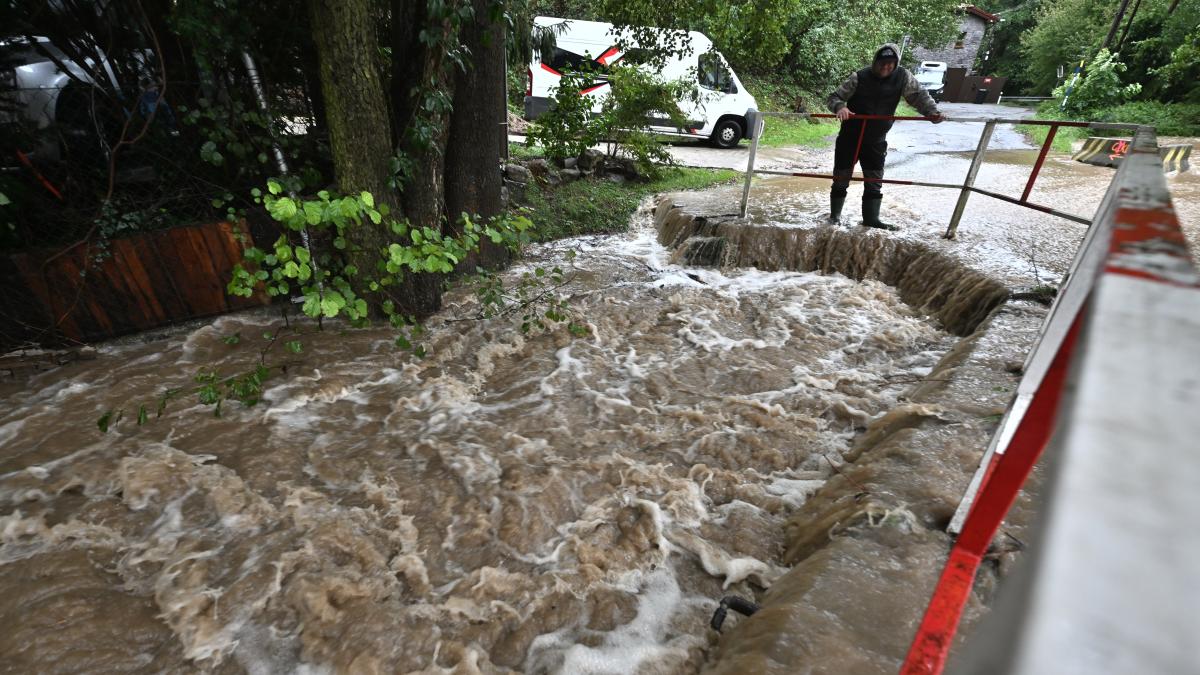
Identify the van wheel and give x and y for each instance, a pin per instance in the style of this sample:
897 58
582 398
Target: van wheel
727 134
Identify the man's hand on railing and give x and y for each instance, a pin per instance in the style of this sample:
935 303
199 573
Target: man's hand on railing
844 114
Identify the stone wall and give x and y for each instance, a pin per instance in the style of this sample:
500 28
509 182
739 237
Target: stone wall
975 28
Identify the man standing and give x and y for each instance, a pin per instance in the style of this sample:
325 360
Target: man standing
871 91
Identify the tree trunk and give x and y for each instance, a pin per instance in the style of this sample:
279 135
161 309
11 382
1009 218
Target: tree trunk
360 136
477 127
419 71
344 32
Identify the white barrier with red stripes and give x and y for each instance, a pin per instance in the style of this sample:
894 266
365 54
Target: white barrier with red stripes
1113 390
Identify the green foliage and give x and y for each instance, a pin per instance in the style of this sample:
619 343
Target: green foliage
212 388
781 132
1160 48
1002 43
519 151
597 207
331 285
535 297
1064 138
1183 70
636 95
568 127
814 43
1169 119
1100 88
1066 32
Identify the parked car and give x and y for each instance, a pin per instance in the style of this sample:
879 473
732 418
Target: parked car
932 76
51 106
719 113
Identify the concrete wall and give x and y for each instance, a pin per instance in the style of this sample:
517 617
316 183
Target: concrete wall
975 28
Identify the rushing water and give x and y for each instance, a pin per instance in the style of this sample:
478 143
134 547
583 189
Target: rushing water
539 503
546 503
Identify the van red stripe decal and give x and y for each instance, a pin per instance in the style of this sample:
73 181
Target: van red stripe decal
593 88
603 60
551 70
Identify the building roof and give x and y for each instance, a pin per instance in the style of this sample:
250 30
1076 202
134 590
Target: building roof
986 16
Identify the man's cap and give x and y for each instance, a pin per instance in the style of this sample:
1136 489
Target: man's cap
886 54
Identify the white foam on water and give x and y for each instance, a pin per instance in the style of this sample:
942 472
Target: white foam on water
623 650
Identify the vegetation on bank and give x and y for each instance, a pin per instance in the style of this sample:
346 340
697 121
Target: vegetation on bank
603 206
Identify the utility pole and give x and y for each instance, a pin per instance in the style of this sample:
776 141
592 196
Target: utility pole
1132 15
1112 32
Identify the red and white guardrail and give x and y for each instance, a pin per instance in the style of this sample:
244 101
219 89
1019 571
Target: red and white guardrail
1113 389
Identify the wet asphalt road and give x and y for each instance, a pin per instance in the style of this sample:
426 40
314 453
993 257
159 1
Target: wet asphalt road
906 139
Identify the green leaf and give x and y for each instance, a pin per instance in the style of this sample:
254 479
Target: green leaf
339 243
329 308
142 415
232 339
312 213
283 209
294 346
375 216
302 254
368 199
291 269
104 421
274 187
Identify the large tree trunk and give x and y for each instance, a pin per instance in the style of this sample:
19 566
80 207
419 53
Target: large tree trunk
477 126
360 136
419 70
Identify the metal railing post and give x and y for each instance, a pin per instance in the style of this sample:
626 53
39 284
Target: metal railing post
976 162
756 125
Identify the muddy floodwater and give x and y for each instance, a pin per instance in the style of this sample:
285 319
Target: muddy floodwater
772 409
538 503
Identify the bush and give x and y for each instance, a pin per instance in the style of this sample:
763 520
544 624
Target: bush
1170 119
1100 88
601 207
635 96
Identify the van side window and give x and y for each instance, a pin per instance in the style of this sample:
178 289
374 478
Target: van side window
562 59
712 74
637 56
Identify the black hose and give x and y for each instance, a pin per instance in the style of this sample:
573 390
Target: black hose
736 603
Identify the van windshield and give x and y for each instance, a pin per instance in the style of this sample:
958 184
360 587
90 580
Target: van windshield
712 73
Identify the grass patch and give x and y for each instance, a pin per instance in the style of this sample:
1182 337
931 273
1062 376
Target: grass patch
604 207
781 131
520 151
1064 138
1169 119
785 131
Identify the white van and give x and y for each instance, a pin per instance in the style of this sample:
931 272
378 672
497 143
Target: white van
932 76
719 114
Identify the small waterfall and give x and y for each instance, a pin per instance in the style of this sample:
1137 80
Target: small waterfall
960 298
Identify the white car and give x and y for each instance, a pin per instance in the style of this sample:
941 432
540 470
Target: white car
932 76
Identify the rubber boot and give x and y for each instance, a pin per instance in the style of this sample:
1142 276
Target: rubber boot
835 208
870 208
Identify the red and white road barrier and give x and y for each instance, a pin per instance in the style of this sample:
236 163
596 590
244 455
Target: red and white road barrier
1113 391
